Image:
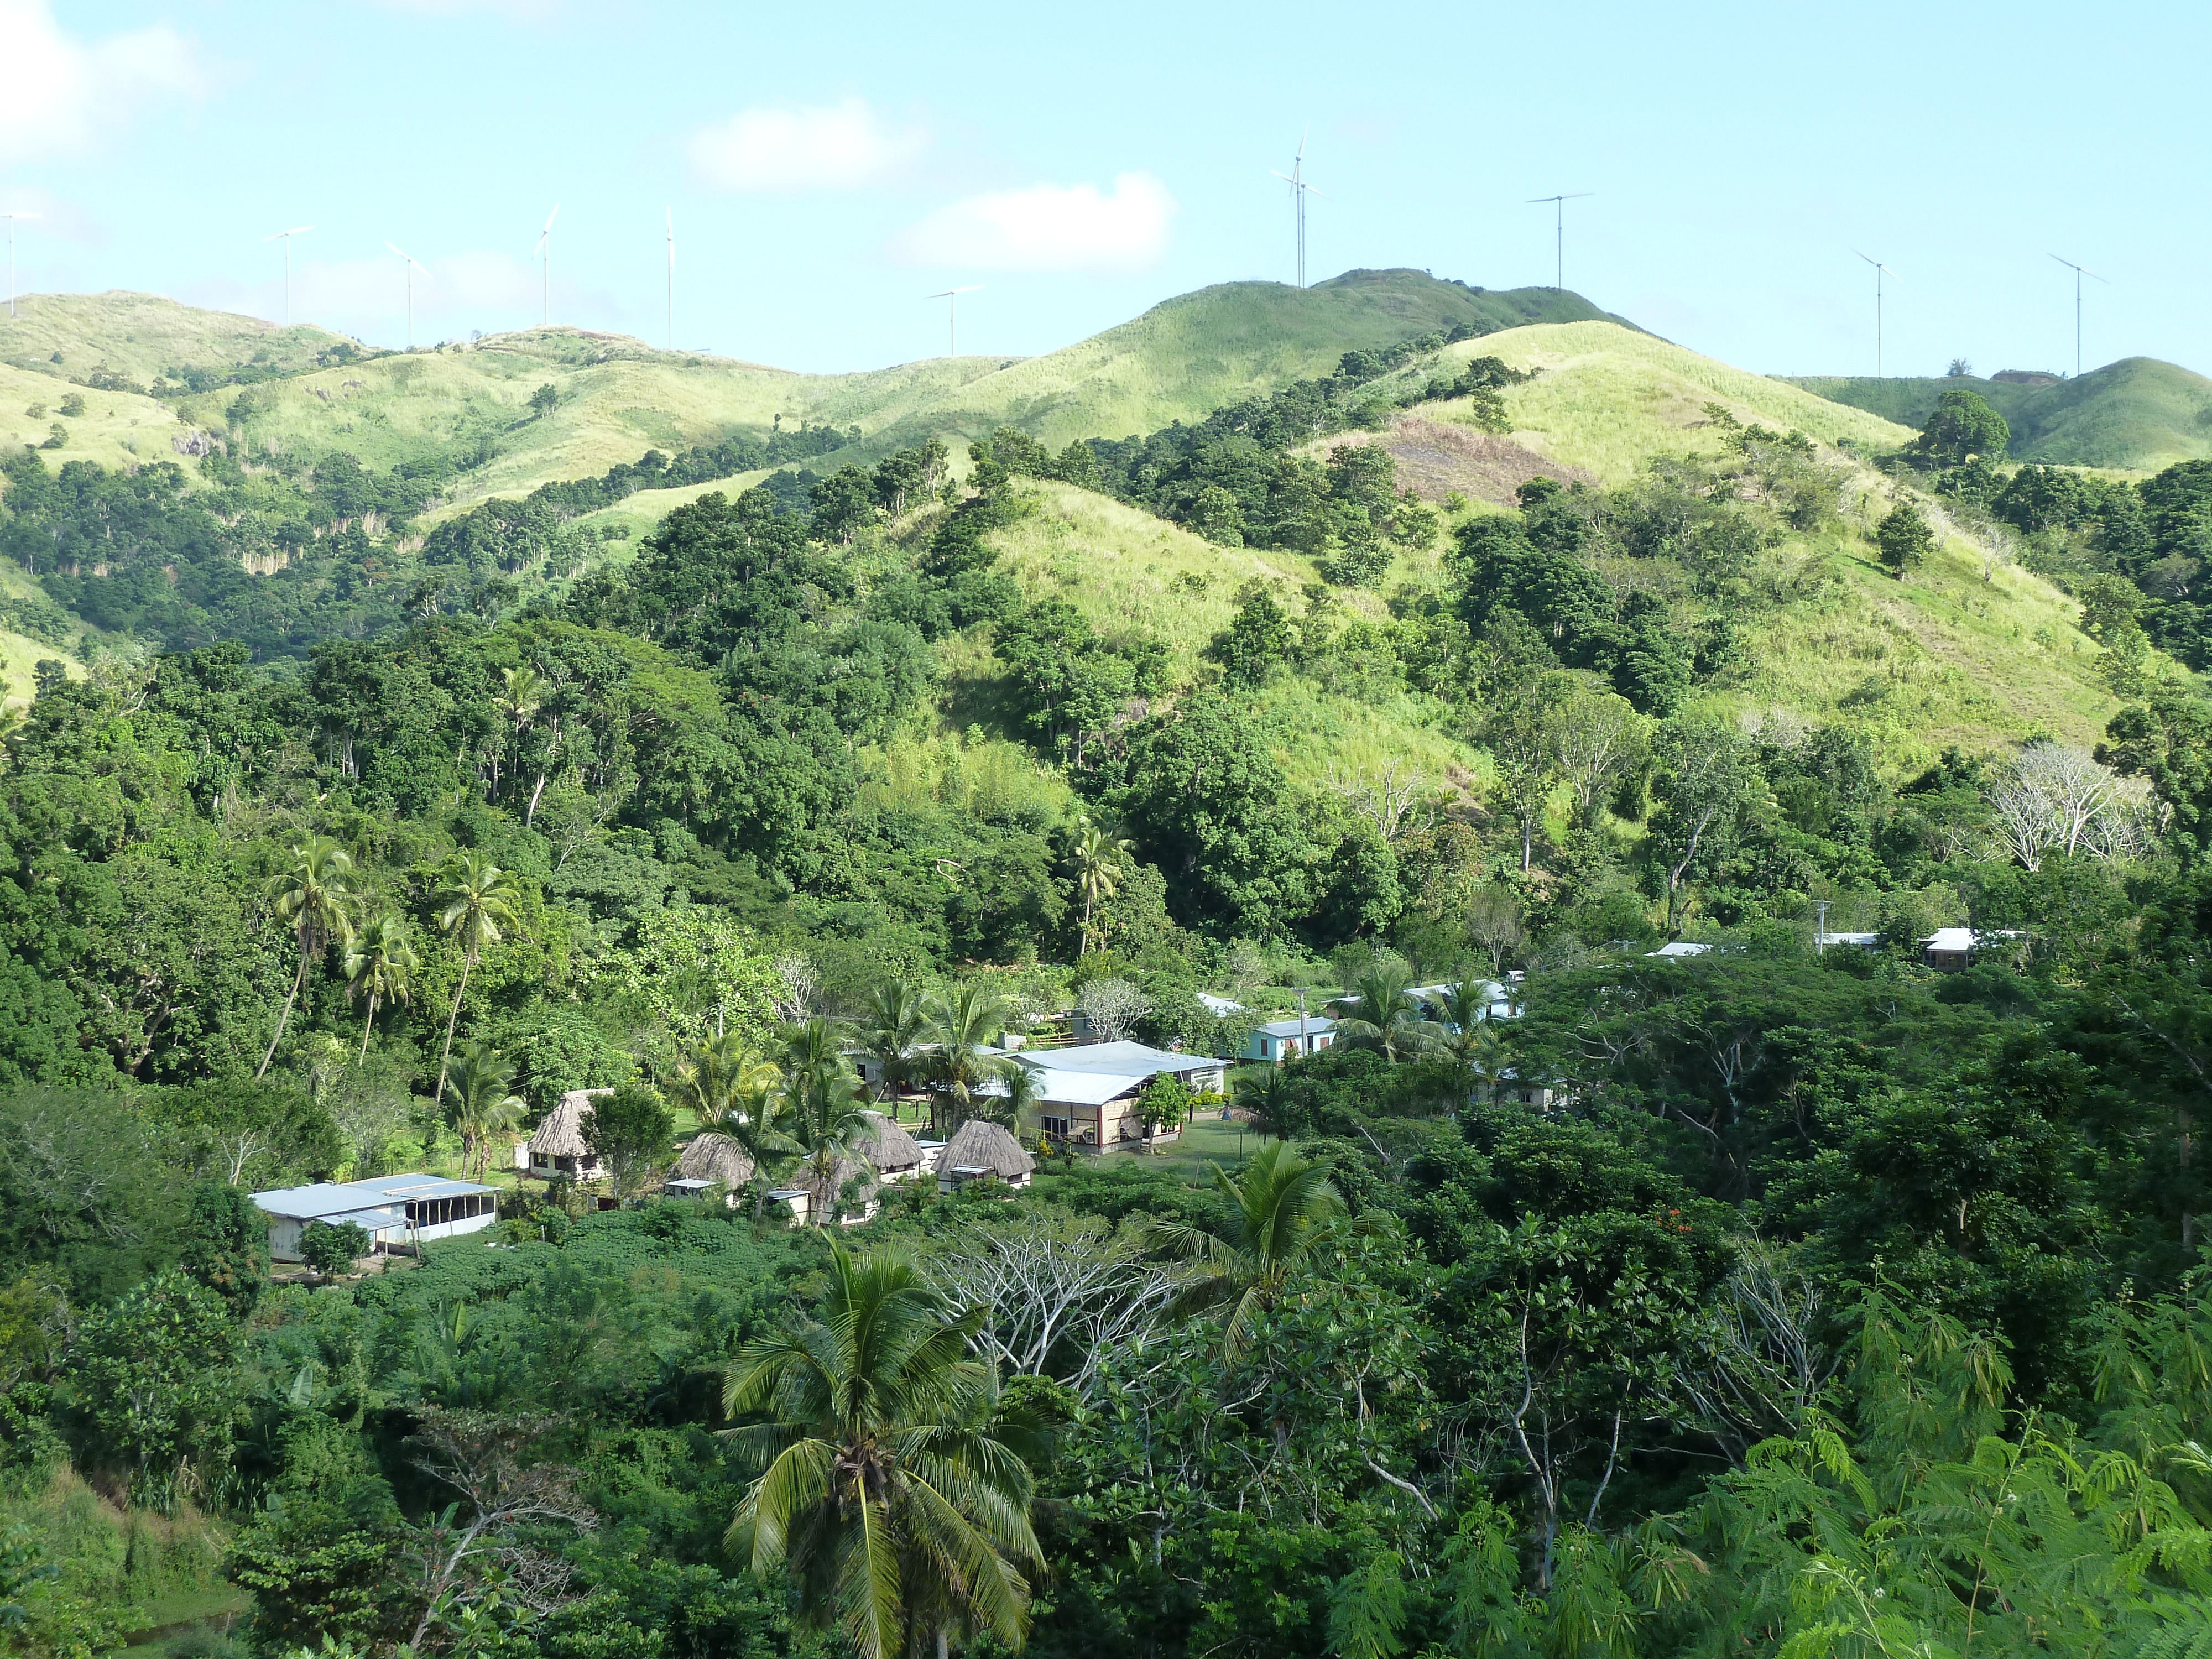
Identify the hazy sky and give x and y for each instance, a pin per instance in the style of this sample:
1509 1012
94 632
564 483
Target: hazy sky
829 166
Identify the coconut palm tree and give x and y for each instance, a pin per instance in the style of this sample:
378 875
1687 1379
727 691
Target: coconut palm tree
1267 1094
823 1106
476 899
311 897
1462 1013
1379 1006
900 1511
1020 1094
894 1024
731 1088
1286 1207
961 1059
481 1101
522 693
379 964
1098 855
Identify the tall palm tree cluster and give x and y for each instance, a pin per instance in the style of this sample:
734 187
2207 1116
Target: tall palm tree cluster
944 1045
478 903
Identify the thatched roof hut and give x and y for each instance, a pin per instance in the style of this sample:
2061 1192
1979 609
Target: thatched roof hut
890 1148
557 1144
712 1156
822 1196
980 1149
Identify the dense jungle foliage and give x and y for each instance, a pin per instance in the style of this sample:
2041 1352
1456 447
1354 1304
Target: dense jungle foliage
1789 1298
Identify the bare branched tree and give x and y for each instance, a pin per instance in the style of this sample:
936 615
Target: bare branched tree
490 1461
1112 1007
2054 797
1764 1368
1065 1290
1393 801
799 983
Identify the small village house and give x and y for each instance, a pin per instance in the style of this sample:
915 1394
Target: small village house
557 1146
980 1150
896 1155
398 1212
1087 1096
1286 1039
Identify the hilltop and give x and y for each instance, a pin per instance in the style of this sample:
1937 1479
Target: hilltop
2138 413
308 390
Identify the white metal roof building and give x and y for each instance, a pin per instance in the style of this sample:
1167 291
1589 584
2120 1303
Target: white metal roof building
401 1210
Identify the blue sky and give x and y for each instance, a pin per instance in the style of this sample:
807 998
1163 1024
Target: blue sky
829 167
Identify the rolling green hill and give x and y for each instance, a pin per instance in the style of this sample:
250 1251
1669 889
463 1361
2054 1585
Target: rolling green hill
144 337
2138 413
619 396
1973 651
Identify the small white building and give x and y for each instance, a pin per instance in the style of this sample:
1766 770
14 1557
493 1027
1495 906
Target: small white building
1681 950
1286 1039
1087 1096
398 1212
1949 949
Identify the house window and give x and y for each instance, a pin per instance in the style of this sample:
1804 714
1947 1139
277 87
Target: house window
1055 1127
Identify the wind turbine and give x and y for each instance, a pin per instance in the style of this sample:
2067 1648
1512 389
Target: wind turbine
11 218
544 252
1560 232
286 236
1879 271
413 265
2078 271
671 279
1296 178
951 298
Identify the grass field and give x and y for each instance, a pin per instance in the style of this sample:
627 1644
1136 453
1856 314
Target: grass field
2138 413
117 429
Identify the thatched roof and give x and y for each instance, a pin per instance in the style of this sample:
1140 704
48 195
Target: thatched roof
848 1169
712 1156
889 1147
562 1133
979 1144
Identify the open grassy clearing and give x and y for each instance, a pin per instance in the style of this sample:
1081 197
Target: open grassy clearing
118 429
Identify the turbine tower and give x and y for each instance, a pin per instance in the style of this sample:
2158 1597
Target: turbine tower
413 265
2080 271
951 298
671 279
11 218
1560 232
286 236
544 252
1296 178
1879 271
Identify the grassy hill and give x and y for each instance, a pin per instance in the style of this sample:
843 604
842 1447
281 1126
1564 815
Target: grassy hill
2137 414
619 396
117 429
1609 397
1973 651
144 336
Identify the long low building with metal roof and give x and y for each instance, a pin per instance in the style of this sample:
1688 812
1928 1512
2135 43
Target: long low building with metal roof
398 1211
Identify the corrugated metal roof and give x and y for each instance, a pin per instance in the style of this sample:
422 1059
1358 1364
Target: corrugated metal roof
385 1196
1059 1088
1124 1059
1315 1025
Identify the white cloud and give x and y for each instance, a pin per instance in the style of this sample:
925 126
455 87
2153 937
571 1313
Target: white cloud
1047 227
842 146
65 96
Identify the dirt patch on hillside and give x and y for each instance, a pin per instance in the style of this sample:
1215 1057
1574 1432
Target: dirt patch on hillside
1434 459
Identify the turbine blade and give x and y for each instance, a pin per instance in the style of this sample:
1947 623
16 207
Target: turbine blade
550 218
